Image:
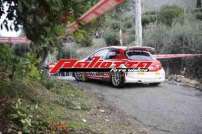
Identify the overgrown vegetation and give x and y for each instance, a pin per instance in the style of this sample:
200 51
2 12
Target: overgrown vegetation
112 39
33 104
180 38
168 14
29 102
17 66
30 107
170 30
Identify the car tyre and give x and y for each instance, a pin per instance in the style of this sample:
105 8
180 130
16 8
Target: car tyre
118 79
79 76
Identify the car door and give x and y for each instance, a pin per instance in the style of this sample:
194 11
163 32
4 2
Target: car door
102 54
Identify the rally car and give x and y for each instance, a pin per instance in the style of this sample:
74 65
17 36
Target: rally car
155 74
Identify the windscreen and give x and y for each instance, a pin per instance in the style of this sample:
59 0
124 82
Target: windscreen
139 55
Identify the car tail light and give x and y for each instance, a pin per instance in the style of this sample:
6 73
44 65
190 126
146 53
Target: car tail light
156 66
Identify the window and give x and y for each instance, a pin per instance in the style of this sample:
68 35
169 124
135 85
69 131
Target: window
112 54
139 55
101 53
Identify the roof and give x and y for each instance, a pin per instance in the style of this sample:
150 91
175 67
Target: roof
15 40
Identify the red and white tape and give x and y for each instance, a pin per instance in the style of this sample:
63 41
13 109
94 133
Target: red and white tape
172 56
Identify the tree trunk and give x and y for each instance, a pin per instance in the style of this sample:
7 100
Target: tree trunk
44 56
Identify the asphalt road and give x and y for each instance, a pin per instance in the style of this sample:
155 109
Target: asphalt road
166 109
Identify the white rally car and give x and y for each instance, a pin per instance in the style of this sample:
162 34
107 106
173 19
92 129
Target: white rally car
154 76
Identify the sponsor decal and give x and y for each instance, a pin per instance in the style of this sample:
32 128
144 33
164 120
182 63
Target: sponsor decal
98 65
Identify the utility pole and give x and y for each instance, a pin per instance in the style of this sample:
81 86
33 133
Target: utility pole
138 21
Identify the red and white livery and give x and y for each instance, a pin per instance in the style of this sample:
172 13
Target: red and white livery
155 74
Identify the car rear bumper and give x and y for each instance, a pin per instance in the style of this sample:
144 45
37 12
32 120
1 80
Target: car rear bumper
145 77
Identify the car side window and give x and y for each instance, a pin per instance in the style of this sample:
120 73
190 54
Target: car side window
112 54
102 53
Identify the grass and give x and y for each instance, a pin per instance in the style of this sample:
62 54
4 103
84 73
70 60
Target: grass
60 102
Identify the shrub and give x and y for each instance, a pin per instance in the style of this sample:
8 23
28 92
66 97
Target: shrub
199 16
150 13
48 83
19 67
27 117
115 25
67 53
198 13
147 19
167 14
5 57
131 38
198 3
180 38
82 37
128 25
111 39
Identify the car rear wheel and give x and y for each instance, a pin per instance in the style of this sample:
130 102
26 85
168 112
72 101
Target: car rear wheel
79 76
117 79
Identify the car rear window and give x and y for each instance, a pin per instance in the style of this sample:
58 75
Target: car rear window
139 55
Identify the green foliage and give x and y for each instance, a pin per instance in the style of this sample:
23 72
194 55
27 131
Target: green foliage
5 57
128 24
199 16
150 13
42 16
198 3
25 67
180 38
147 19
82 37
48 83
131 38
167 14
111 39
67 53
198 13
27 117
36 109
44 23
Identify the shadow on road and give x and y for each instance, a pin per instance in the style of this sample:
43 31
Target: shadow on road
126 86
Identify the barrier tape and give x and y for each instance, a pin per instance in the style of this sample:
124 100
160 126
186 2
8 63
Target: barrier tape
173 56
97 10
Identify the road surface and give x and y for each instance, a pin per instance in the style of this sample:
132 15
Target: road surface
167 109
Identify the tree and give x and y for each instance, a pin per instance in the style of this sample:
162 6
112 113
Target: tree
169 13
43 21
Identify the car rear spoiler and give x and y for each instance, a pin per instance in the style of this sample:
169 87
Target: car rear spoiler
150 49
